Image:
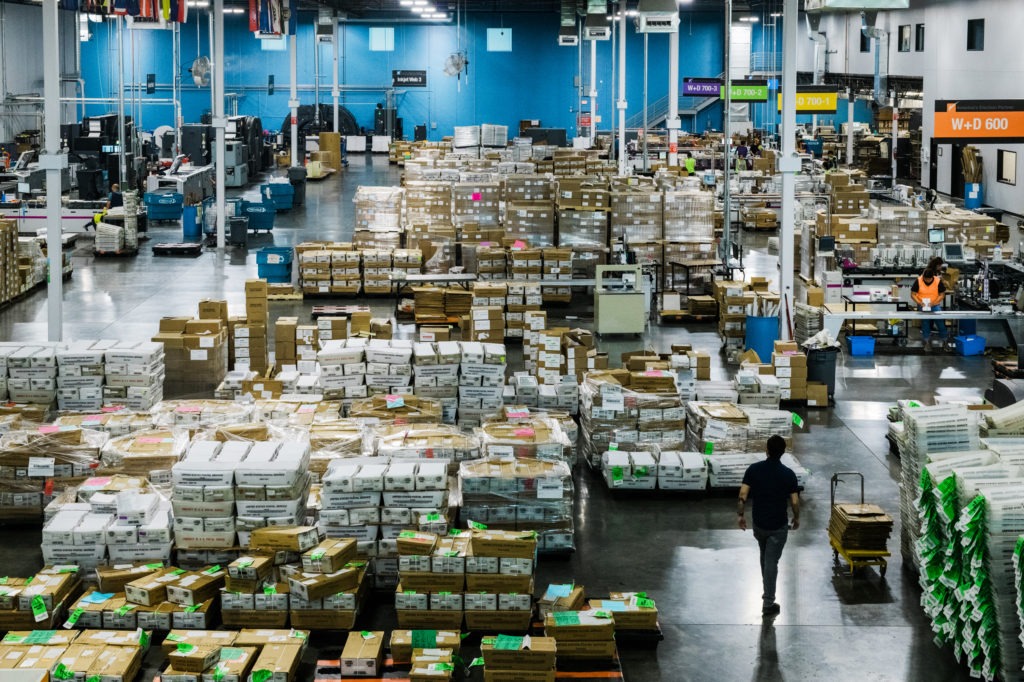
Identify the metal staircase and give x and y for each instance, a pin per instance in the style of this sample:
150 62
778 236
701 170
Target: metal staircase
657 111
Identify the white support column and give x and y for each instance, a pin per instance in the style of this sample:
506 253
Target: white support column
219 121
293 103
593 93
789 166
849 127
622 103
727 141
335 92
673 98
53 161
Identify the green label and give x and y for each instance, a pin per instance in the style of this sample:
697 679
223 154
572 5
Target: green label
38 609
171 637
602 614
444 667
366 634
219 672
296 634
433 516
143 638
407 534
476 661
123 610
798 421
508 643
178 571
186 648
709 447
645 603
61 672
424 639
40 637
73 618
245 563
261 675
476 526
317 555
12 639
154 567
93 678
193 608
270 589
231 654
617 474
212 570
566 618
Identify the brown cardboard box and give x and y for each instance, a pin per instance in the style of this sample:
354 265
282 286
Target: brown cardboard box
288 538
233 665
815 297
817 394
417 543
152 589
429 620
260 637
329 556
195 587
363 654
116 664
114 578
604 648
210 309
504 543
434 582
190 658
310 586
402 642
314 619
261 619
208 638
578 625
281 660
255 287
173 325
539 656
494 675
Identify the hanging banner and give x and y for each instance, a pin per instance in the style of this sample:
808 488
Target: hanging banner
702 87
747 91
408 79
982 120
814 99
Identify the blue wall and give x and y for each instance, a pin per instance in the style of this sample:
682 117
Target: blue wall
535 80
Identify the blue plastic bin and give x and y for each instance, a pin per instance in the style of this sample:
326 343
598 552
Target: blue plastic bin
274 264
761 335
190 228
974 195
163 205
970 345
861 345
280 194
261 216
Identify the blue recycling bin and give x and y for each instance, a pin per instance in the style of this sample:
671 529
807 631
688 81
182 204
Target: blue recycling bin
974 194
190 227
762 333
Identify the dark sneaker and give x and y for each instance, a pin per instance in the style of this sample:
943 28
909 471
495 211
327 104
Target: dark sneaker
771 610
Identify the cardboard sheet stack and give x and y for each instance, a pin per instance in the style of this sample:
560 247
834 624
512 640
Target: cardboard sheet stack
466 136
41 461
521 494
507 658
619 406
374 499
860 526
109 238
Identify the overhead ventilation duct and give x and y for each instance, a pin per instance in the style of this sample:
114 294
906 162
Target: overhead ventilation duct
657 16
847 5
567 34
596 26
881 38
820 41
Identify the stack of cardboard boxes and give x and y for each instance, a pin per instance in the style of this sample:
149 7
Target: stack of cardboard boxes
735 303
492 263
481 380
531 221
557 265
582 634
405 642
636 214
521 494
90 655
428 203
509 658
330 587
500 567
477 203
242 656
516 188
9 278
790 368
195 351
432 580
436 374
378 217
39 601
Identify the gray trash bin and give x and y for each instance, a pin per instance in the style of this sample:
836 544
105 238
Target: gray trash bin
821 367
297 177
238 231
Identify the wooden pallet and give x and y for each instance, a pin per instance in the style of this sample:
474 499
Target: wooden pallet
175 249
329 670
296 296
328 172
337 310
117 254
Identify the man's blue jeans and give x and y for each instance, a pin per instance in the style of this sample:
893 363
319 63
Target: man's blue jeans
926 325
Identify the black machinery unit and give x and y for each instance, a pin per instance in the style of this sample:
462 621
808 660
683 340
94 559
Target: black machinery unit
196 140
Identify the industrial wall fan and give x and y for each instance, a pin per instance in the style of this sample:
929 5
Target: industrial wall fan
200 71
456 63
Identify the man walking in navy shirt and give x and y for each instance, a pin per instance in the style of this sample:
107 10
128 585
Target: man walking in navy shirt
769 484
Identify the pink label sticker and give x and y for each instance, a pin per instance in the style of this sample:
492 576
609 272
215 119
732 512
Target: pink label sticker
189 408
49 429
523 414
97 482
653 373
485 244
93 418
524 433
112 408
149 439
394 401
519 244
477 196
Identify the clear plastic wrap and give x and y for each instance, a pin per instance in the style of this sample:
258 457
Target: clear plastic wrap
201 413
407 409
144 451
538 437
426 441
301 411
340 439
378 209
114 422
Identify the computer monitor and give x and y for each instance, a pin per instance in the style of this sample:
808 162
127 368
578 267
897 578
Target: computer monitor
826 245
953 253
936 235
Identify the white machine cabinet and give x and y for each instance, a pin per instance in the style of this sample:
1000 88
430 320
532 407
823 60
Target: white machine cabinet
619 304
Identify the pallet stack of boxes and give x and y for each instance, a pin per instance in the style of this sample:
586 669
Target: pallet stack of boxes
379 212
530 222
432 580
557 265
477 203
735 303
9 278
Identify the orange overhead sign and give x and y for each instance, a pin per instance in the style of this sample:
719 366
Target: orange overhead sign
979 120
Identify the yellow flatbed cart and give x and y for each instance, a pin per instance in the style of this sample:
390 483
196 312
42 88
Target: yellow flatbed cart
858 532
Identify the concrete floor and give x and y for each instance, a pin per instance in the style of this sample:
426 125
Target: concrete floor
684 551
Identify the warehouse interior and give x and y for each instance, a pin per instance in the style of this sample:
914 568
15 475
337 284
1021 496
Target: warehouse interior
432 340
